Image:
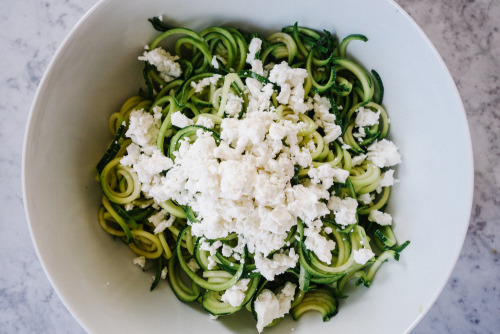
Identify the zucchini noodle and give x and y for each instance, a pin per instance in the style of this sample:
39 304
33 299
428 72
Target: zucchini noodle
320 114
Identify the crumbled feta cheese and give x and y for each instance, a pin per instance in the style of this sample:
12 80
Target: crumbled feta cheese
236 179
227 250
225 152
164 273
360 134
158 217
326 175
344 210
236 294
384 153
363 255
180 120
388 179
276 220
304 202
260 96
317 243
380 217
140 261
302 157
358 159
143 130
212 249
233 105
253 48
332 132
269 306
325 119
205 82
159 221
147 167
215 63
344 145
366 198
269 268
157 113
291 82
165 63
205 122
366 117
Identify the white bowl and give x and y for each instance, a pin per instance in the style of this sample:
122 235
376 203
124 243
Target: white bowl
96 69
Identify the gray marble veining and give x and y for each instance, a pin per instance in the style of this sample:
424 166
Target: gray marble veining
465 32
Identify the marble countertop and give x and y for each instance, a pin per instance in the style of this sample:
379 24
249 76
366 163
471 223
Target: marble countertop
465 32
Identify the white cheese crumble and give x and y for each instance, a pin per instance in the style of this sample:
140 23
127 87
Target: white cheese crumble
388 179
317 243
205 82
358 159
291 82
326 175
363 255
142 155
180 120
360 134
305 202
343 209
215 63
212 249
164 272
165 63
380 217
366 198
233 105
366 117
236 294
323 118
159 221
140 261
205 122
270 306
280 262
384 153
142 130
260 95
253 48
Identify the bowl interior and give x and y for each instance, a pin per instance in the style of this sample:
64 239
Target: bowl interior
96 69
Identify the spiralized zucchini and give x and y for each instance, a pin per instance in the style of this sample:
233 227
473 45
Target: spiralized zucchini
202 274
